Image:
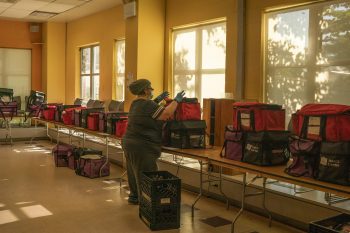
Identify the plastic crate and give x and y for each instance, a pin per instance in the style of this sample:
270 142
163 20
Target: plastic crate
159 217
161 187
160 200
330 225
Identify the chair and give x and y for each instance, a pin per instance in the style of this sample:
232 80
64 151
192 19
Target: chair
35 103
78 101
116 106
90 103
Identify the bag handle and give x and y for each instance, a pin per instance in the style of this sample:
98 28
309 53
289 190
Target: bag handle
323 121
222 149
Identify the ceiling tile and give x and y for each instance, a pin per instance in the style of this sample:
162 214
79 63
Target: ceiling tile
71 2
4 4
14 13
29 5
56 7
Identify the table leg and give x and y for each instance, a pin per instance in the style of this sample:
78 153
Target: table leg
107 152
84 139
244 184
221 191
200 186
47 131
264 201
58 135
70 137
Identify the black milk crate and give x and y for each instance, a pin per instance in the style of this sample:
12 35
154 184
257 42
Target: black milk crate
160 200
159 217
330 225
161 187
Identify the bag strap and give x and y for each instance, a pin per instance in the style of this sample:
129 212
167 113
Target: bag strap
323 122
222 149
287 171
252 120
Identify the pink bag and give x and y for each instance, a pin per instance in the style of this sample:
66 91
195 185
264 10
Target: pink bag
92 166
61 153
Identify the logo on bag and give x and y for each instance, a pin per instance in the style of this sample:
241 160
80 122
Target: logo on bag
252 148
330 162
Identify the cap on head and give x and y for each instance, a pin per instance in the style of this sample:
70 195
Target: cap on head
137 87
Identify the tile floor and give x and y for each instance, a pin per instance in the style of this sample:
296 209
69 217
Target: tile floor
35 196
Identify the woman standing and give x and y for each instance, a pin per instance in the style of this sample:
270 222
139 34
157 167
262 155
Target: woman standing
142 140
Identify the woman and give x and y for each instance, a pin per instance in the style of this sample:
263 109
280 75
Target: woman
142 140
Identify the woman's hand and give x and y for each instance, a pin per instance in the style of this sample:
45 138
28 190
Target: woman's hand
162 96
179 96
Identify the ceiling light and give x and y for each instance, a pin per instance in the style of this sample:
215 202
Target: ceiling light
43 14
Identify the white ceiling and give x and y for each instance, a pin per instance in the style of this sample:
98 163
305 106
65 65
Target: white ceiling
52 10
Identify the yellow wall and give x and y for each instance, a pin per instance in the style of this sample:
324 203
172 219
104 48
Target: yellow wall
253 47
145 46
15 34
184 12
102 28
53 70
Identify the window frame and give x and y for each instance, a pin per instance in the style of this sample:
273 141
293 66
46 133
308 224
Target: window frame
91 73
115 73
198 72
313 47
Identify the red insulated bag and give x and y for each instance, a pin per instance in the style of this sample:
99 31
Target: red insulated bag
329 122
120 127
49 112
187 109
252 116
93 121
68 115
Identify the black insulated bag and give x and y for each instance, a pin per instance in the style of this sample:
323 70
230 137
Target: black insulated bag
185 134
266 148
334 163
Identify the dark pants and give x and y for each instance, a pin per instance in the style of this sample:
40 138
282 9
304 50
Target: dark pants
140 156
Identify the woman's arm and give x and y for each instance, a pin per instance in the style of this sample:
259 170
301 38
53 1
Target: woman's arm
168 111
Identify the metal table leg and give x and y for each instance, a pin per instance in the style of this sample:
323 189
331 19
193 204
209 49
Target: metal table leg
221 191
84 138
244 184
264 202
244 195
107 152
200 186
47 131
58 135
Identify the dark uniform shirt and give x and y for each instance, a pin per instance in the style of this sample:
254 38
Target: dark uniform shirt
142 123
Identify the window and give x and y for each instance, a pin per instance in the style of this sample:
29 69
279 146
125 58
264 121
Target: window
120 70
307 55
199 58
15 71
90 72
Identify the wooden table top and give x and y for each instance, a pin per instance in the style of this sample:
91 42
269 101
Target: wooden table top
212 155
